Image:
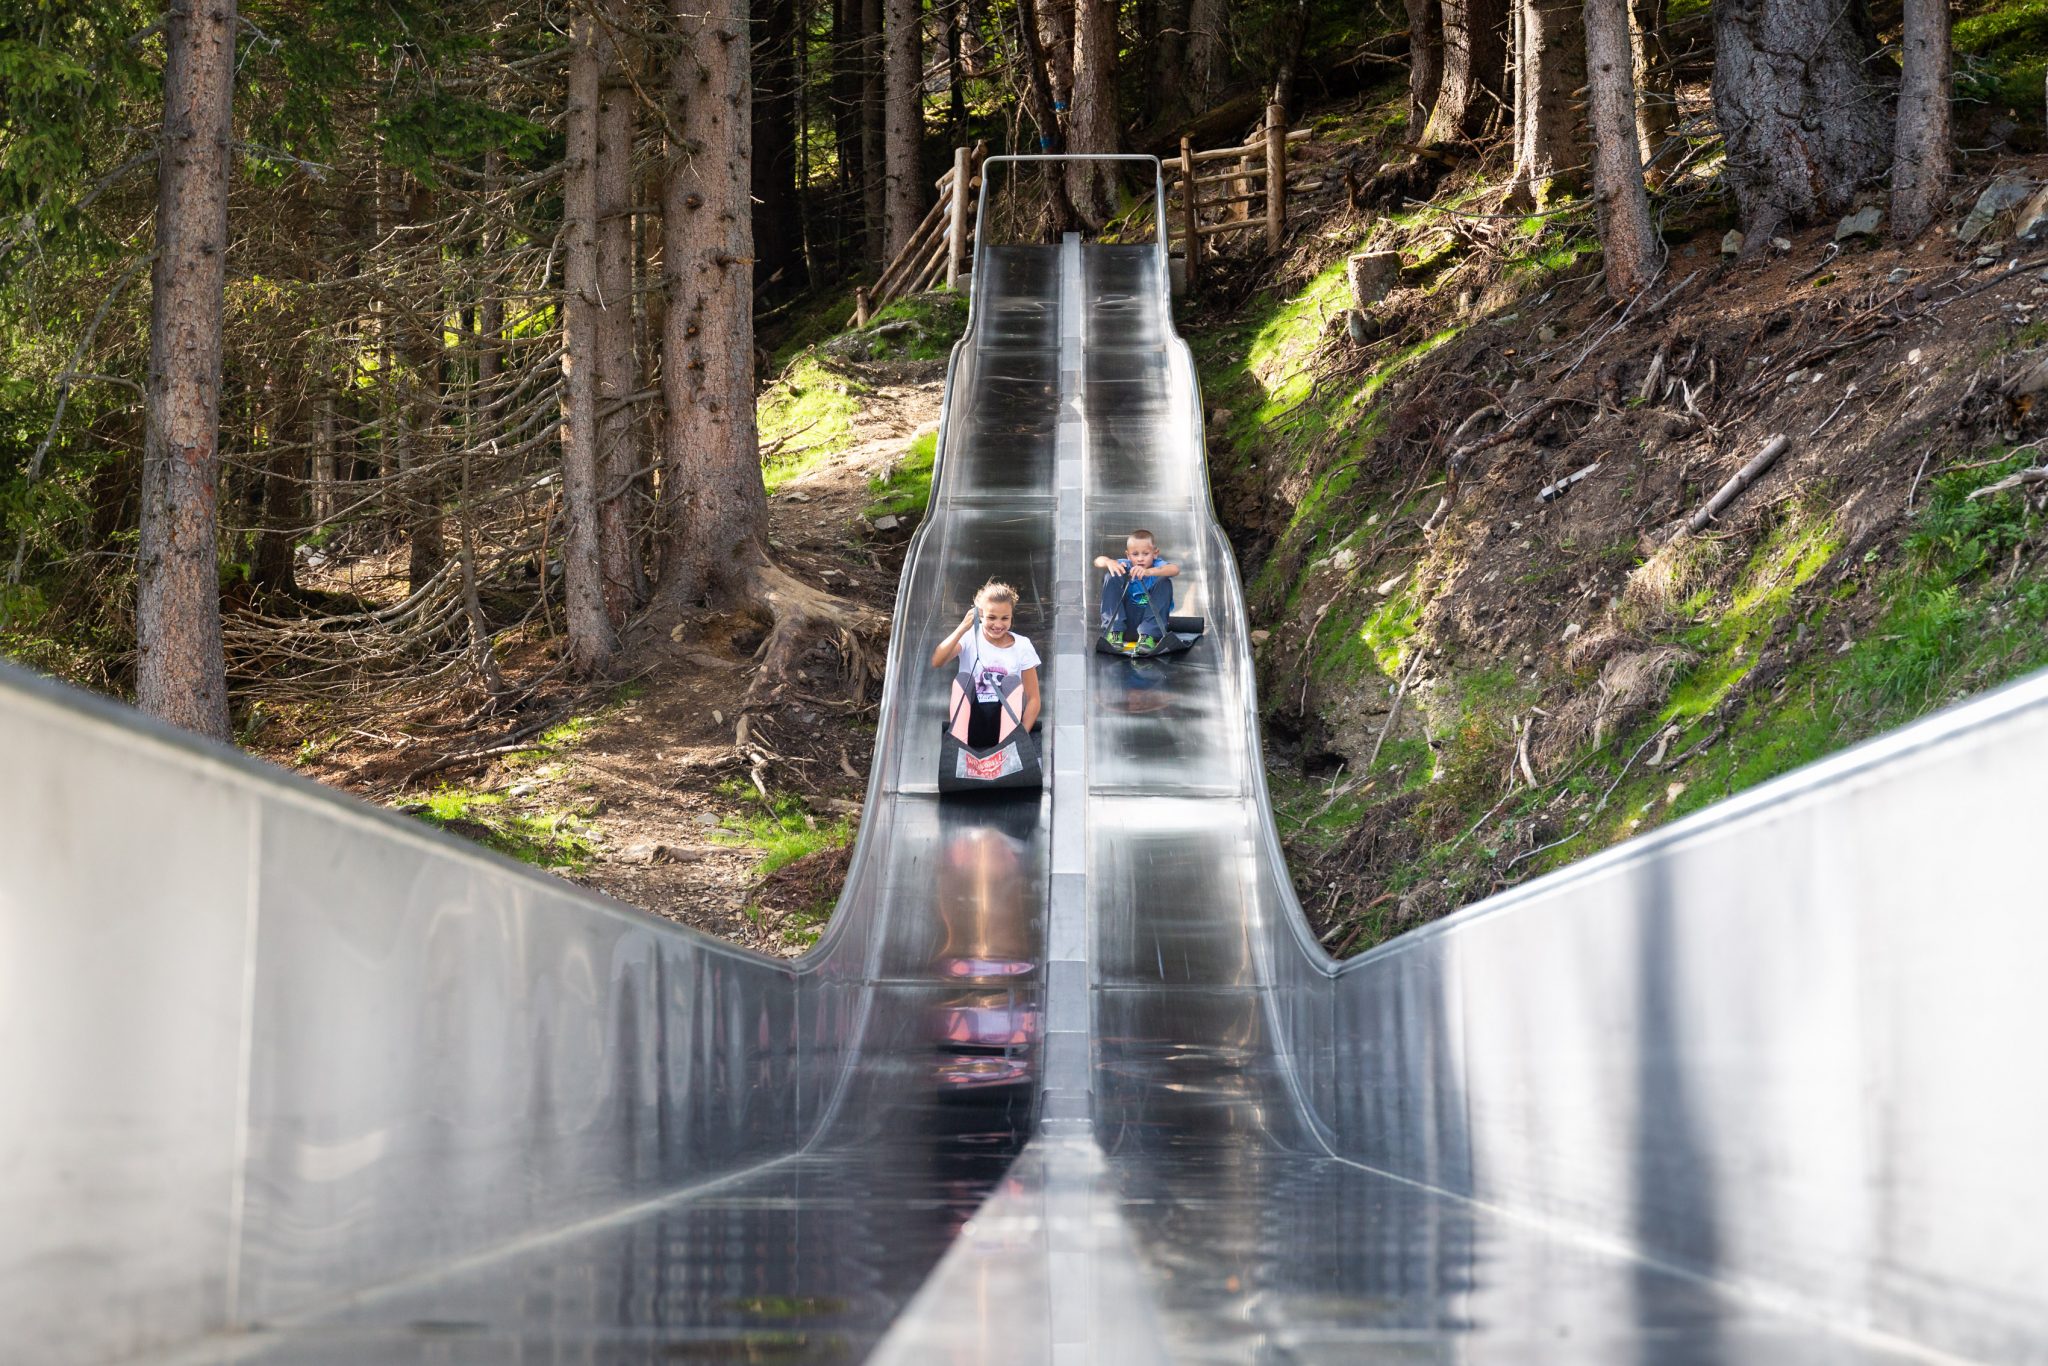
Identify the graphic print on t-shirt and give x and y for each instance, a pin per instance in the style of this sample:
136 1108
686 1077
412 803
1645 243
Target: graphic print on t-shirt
993 666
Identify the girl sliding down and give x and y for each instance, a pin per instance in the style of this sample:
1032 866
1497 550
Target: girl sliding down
995 654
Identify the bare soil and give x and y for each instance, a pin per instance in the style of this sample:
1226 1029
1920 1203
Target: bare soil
655 783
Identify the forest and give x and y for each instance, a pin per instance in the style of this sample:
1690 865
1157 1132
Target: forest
421 394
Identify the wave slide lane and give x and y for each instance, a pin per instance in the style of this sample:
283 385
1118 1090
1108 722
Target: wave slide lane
1067 1079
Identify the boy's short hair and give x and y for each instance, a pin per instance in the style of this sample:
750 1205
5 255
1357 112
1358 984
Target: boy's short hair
1142 535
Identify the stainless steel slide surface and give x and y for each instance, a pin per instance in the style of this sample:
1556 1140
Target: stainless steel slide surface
289 1080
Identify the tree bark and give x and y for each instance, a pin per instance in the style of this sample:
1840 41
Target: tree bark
1474 74
1092 126
1425 61
873 126
777 243
1208 51
272 567
846 88
418 461
1626 231
593 643
716 517
1656 88
181 668
618 376
1806 125
1921 164
1168 90
1037 84
715 530
903 70
1550 136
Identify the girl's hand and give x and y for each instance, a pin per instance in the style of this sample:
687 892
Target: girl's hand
966 623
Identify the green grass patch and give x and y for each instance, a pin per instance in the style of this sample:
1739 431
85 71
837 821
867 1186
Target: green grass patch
545 839
784 830
1311 813
788 335
808 412
937 318
2002 49
1730 636
907 487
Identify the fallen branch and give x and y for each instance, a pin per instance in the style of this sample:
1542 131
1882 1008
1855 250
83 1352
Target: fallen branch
1741 480
1550 493
2019 479
1395 710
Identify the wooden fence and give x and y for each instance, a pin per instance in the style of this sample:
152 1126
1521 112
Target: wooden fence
1216 190
942 246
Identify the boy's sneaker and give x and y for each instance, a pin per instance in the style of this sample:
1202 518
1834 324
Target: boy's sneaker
1147 643
1115 639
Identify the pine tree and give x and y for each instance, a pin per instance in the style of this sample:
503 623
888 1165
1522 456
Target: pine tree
1921 164
1805 119
1550 136
181 667
1626 231
903 73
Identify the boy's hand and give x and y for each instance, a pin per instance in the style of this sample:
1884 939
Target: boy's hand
1116 567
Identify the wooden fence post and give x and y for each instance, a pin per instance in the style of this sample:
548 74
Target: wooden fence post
956 231
1276 175
1192 253
860 306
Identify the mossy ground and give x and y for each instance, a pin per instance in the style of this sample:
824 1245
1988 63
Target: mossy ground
1817 614
907 487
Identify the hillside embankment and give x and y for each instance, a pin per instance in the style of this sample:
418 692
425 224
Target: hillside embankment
1501 626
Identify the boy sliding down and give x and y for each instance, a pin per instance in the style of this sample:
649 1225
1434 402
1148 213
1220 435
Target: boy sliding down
1137 592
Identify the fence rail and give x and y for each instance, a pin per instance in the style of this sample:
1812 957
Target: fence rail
942 245
1259 177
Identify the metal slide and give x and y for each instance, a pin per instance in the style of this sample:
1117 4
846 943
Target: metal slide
290 1080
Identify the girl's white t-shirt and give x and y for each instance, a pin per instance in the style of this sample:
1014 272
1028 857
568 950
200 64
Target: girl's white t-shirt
993 664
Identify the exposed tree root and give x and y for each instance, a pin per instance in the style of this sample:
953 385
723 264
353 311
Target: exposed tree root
797 615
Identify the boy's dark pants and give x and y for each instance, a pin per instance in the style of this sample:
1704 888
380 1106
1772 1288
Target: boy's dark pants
1120 613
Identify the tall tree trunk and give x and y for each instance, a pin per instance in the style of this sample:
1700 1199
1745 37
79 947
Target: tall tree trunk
1550 137
1425 61
847 85
1475 71
1056 39
1920 167
1038 95
1092 127
904 73
326 474
1656 88
1626 231
874 119
1208 50
418 457
777 245
593 644
1805 124
956 69
181 669
1167 89
272 568
617 363
717 514
715 529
